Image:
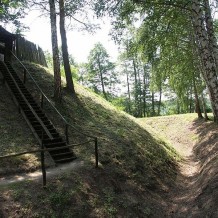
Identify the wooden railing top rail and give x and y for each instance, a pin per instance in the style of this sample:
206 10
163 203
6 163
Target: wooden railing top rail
52 105
32 110
43 150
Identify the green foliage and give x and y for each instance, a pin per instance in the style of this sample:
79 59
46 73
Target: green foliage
74 71
12 11
119 103
49 59
159 34
100 74
119 184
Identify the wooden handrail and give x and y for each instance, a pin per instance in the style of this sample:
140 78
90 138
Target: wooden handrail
33 111
43 150
43 94
67 124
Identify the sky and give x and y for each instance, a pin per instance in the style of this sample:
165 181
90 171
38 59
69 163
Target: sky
79 43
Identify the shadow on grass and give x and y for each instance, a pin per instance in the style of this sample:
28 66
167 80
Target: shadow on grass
202 194
133 162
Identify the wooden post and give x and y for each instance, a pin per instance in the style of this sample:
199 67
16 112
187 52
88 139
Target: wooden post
96 152
43 163
3 80
19 110
66 133
24 76
42 99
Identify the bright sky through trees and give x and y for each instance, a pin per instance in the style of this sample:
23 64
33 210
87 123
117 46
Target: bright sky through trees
79 43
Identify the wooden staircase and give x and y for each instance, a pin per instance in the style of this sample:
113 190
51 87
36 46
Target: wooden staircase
41 126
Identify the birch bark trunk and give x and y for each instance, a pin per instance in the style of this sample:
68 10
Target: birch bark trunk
210 31
197 102
206 55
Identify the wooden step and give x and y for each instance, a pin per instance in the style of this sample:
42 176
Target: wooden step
55 140
27 103
64 160
55 144
63 156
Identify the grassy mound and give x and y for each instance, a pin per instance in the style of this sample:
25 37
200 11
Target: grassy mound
135 165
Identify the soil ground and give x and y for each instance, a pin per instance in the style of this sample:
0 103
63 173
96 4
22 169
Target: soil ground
195 193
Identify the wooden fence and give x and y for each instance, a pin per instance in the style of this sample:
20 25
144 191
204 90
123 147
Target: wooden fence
28 51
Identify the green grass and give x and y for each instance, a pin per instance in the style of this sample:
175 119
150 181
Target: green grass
135 165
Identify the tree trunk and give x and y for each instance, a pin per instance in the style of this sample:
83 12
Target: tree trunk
56 61
210 31
178 106
206 118
102 84
144 93
136 89
159 105
102 79
69 80
206 55
190 104
128 91
140 94
197 103
152 103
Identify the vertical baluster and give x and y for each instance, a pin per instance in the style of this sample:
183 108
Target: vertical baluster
43 162
42 100
24 76
96 152
66 133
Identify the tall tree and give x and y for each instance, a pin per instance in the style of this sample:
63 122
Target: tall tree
101 70
207 47
68 9
67 69
169 26
55 52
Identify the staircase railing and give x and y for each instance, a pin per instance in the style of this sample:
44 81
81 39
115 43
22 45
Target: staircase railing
30 107
67 124
42 150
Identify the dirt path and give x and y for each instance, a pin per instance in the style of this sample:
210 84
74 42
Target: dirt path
37 175
195 192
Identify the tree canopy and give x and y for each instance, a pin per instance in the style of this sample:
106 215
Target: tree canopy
165 47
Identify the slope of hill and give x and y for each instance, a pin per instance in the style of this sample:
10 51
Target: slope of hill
196 192
135 167
140 174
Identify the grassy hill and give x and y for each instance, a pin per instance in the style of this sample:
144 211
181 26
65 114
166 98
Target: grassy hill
140 174
136 167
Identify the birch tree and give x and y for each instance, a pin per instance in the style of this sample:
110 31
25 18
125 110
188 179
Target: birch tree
207 47
173 22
